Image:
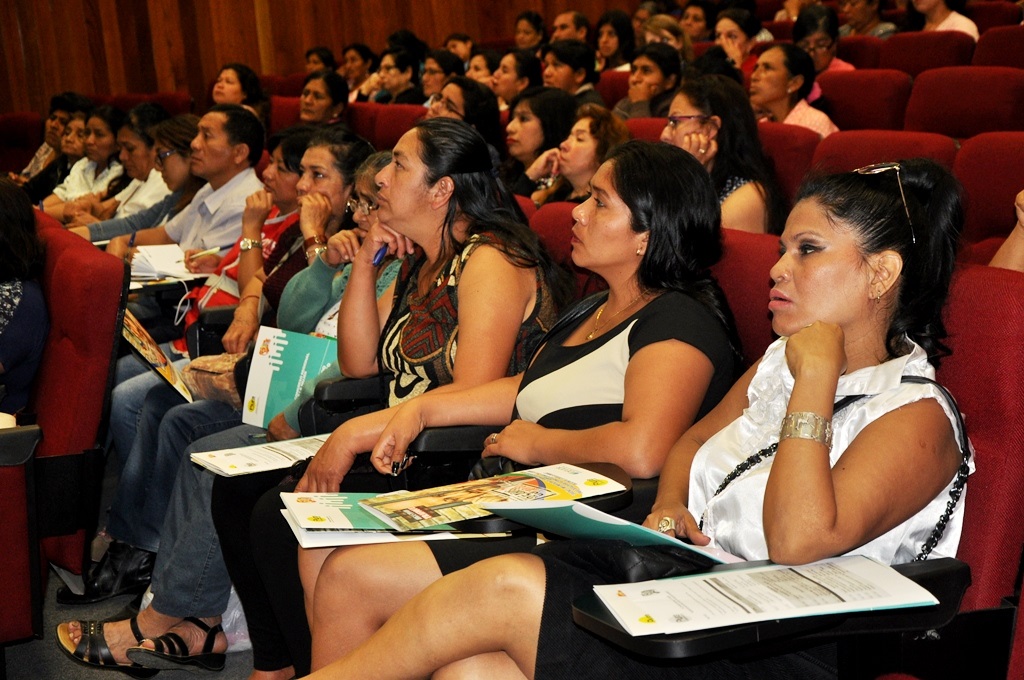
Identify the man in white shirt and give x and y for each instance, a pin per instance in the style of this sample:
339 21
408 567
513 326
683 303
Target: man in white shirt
229 145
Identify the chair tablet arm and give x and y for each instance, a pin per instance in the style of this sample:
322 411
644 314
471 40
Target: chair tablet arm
347 394
946 578
17 444
203 337
458 438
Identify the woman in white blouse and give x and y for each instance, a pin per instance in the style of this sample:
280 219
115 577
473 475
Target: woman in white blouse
779 469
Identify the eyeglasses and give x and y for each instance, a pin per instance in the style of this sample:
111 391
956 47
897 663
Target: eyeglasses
362 205
674 121
445 103
816 47
879 168
433 72
164 155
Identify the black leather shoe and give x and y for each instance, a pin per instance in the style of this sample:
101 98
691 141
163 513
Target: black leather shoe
124 569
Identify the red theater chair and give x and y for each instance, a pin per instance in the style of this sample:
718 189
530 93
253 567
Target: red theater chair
1000 46
393 121
991 168
849 150
791 149
866 99
284 112
20 135
780 30
918 51
50 498
648 129
989 15
860 50
553 224
963 101
613 86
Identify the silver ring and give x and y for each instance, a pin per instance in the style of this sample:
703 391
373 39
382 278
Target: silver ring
701 150
494 438
666 524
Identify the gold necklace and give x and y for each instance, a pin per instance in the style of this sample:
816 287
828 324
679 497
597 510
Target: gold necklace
597 319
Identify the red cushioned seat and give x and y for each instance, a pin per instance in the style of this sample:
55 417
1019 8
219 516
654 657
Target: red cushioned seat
393 121
989 15
780 30
699 48
526 205
553 224
21 134
791 149
1000 46
613 86
284 112
849 150
648 129
963 101
866 99
860 50
767 9
362 118
991 168
918 51
743 274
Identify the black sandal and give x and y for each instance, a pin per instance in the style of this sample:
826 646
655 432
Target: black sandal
92 649
171 652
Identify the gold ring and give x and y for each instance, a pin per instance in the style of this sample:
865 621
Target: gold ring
494 438
666 524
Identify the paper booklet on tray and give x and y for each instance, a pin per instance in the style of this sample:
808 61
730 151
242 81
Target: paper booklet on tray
149 351
577 520
457 502
244 460
321 520
726 598
282 363
161 262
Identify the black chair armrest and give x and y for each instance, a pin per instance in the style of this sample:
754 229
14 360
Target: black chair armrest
203 337
347 394
461 438
945 578
17 444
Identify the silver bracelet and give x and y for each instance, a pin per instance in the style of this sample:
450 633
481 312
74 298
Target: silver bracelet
807 425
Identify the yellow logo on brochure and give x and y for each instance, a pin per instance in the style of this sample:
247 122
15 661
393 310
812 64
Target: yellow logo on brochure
647 618
595 482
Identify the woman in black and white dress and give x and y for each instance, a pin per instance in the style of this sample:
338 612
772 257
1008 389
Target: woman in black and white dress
618 379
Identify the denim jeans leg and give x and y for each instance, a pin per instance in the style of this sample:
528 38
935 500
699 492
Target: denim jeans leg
128 521
189 578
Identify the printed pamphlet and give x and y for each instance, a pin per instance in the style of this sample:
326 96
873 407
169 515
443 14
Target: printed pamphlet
281 365
245 460
150 353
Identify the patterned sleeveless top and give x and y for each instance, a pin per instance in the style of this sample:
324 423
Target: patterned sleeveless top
420 338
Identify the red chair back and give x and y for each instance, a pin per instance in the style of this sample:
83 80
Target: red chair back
553 224
922 50
526 205
362 117
780 30
767 9
289 85
849 150
613 86
1000 46
393 121
699 48
284 112
985 321
743 274
85 293
866 99
860 50
791 149
991 168
963 101
989 15
20 135
648 129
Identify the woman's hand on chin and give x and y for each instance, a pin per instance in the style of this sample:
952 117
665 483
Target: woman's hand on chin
380 236
815 350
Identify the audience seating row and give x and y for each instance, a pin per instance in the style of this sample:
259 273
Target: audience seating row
85 291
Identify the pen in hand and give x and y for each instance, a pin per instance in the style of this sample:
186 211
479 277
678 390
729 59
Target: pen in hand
201 253
379 256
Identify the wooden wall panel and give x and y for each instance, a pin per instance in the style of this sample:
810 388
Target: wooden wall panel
118 46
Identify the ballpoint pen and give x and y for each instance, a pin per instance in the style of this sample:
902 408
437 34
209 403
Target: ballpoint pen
379 256
202 253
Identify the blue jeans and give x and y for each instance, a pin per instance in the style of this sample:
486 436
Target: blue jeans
189 578
166 426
